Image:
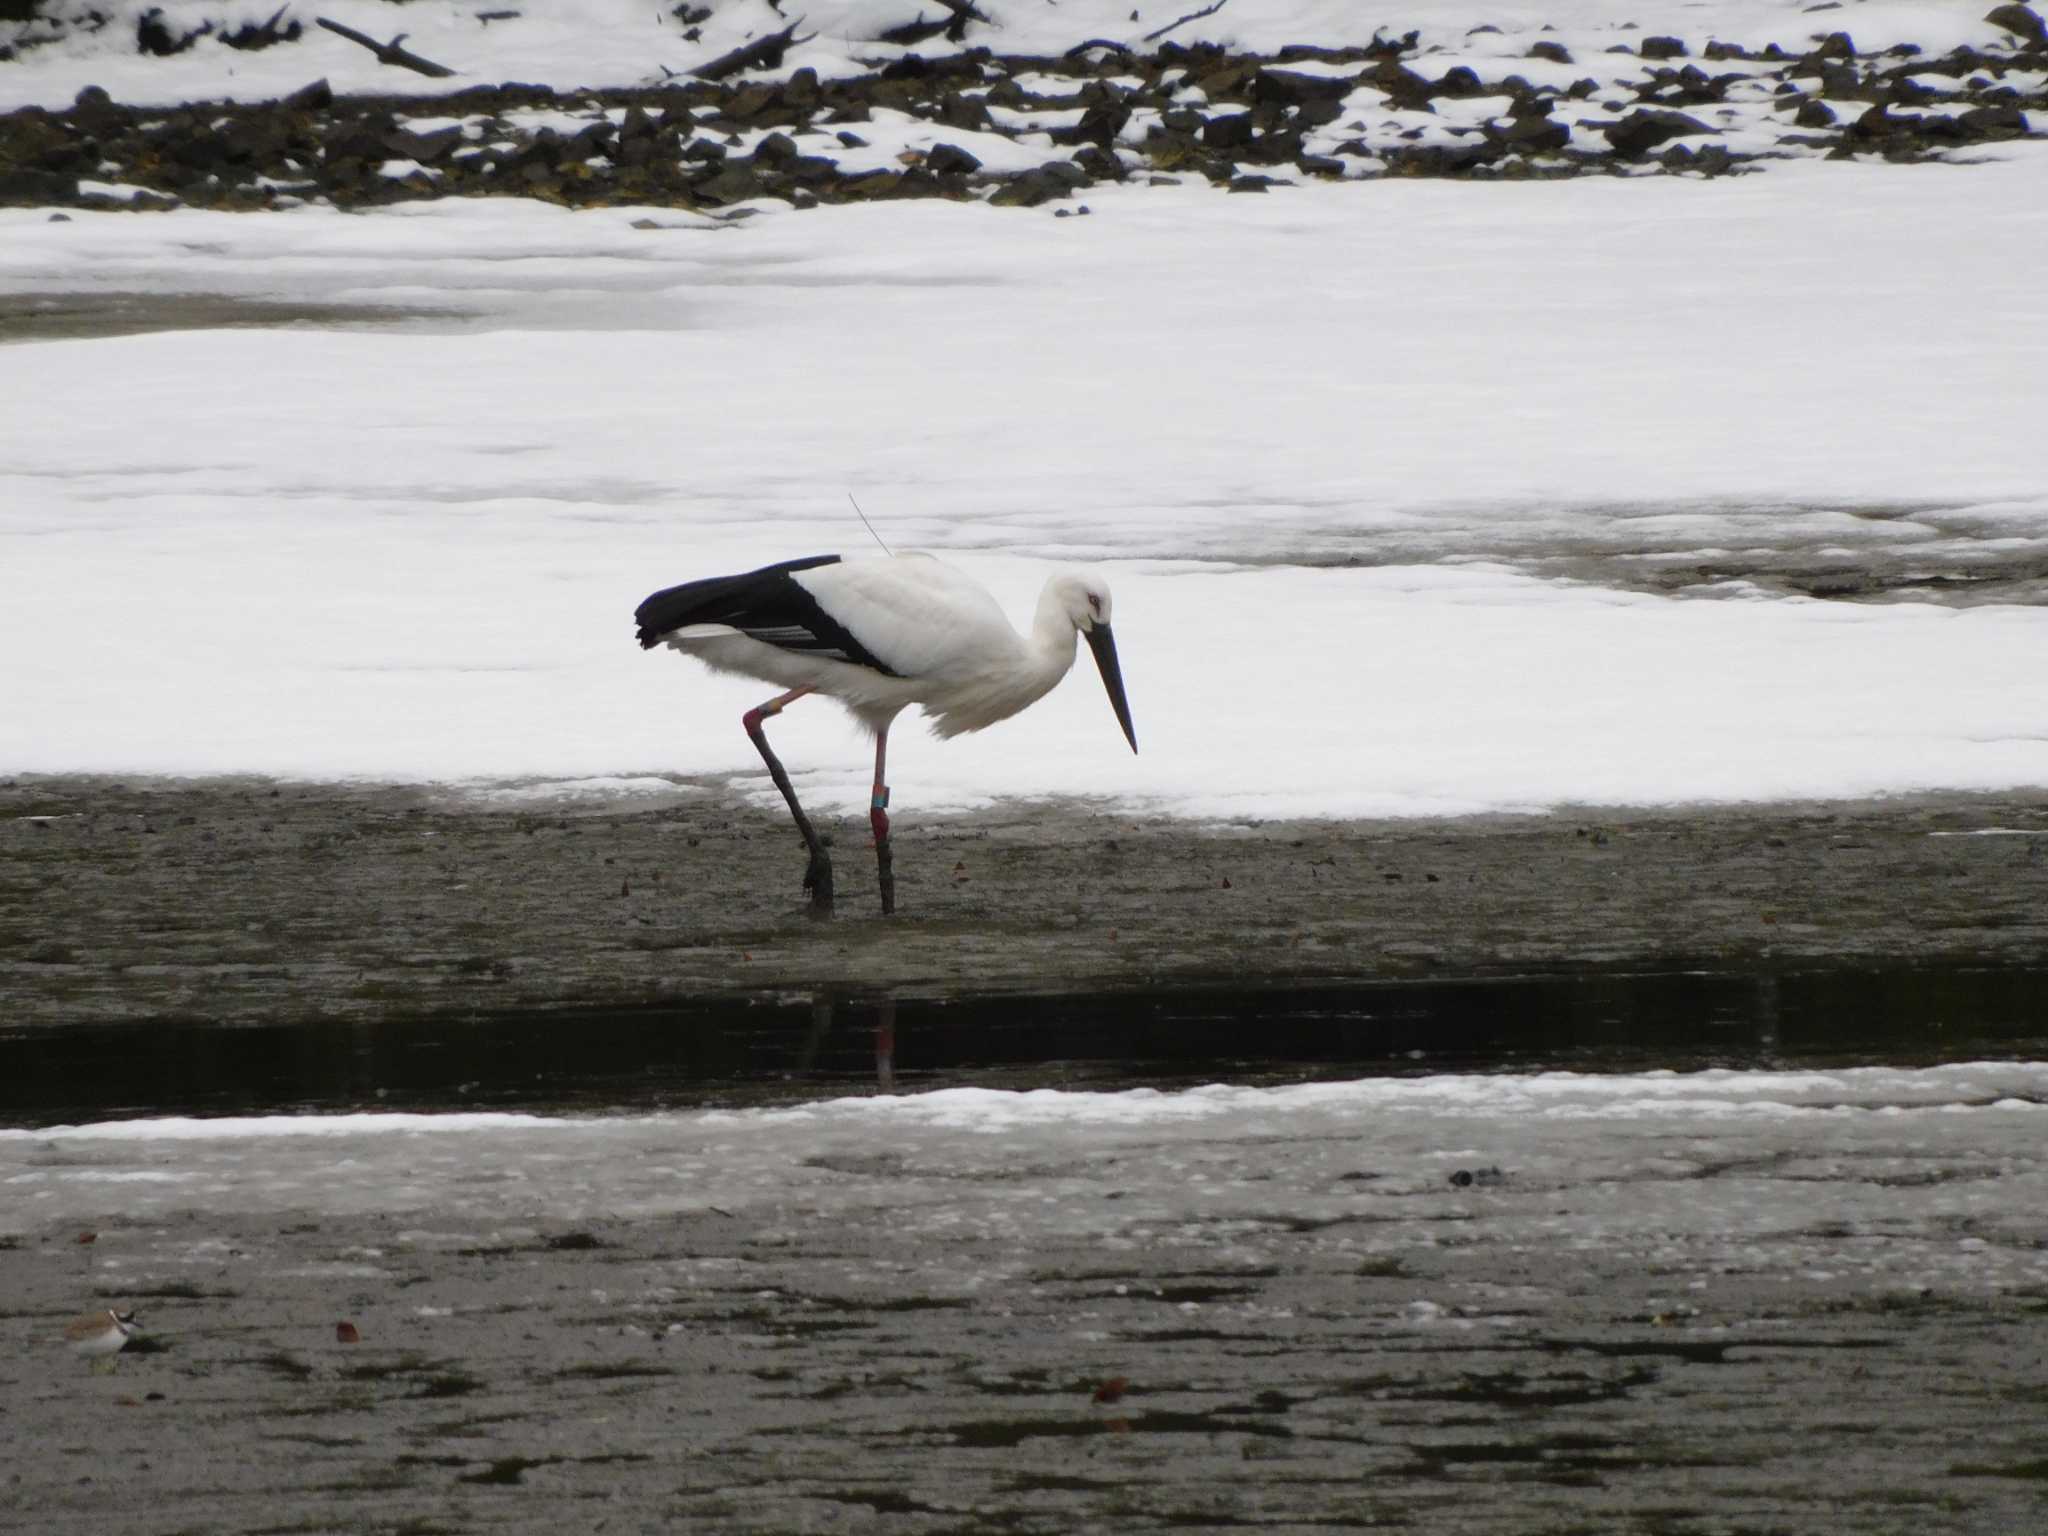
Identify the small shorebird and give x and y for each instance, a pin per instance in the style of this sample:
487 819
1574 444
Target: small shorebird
879 635
101 1335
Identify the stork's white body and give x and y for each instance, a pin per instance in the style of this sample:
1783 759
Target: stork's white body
953 650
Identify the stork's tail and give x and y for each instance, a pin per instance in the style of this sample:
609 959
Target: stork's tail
715 600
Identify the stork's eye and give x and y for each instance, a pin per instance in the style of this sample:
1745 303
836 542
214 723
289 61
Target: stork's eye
1095 605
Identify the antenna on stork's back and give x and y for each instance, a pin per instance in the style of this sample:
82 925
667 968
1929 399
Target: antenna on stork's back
870 526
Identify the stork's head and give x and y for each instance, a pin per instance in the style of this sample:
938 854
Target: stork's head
1085 597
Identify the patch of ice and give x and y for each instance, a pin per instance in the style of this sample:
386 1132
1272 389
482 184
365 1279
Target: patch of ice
119 191
603 789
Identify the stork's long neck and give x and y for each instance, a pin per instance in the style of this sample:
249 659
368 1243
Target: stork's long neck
998 689
1052 639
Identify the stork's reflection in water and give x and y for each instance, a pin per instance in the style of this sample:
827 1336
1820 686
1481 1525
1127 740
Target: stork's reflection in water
828 1006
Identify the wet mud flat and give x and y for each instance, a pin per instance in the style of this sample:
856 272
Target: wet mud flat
1436 1320
74 316
1825 1319
243 901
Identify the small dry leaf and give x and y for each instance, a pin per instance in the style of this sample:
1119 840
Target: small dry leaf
1771 917
910 157
1226 882
88 1237
1117 1426
1111 1390
345 1333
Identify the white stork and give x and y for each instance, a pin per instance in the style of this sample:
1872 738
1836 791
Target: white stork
879 634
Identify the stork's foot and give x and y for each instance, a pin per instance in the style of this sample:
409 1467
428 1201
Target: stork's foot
818 883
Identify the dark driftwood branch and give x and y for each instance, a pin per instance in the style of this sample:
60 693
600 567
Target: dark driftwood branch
955 27
249 36
1096 42
963 12
391 52
763 52
1153 37
912 33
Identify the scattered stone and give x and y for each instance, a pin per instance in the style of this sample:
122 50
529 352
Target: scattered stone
1646 128
1442 159
1877 123
1484 1178
875 184
1100 124
1711 160
35 189
1261 119
2021 21
1995 122
732 183
1295 90
1408 90
317 97
1100 164
1530 135
950 160
1232 131
1056 178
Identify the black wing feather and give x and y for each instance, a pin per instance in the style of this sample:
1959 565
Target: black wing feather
765 604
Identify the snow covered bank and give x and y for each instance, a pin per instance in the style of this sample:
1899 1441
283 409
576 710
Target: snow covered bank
413 553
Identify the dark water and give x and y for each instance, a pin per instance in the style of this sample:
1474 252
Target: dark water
734 1052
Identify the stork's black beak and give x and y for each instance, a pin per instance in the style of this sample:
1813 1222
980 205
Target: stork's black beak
1103 644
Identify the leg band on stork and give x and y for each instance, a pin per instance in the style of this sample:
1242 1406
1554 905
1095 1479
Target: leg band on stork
878 818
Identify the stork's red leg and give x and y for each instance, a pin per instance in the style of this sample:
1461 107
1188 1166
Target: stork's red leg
818 877
878 818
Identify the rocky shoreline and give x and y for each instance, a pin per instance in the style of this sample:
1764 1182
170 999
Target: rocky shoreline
1100 112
